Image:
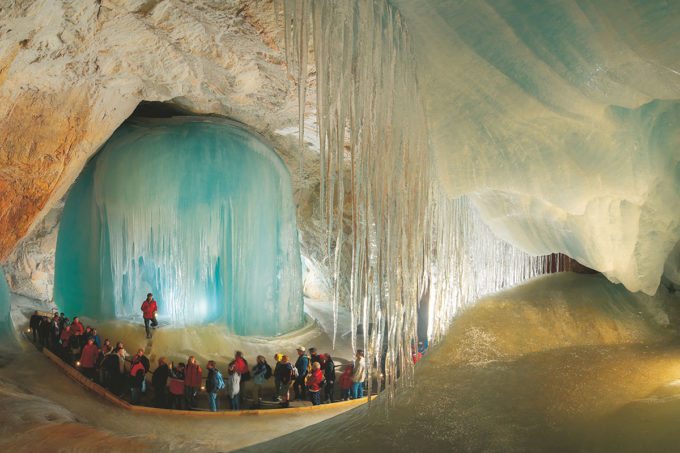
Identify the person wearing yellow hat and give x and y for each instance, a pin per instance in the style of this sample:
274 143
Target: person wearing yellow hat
277 383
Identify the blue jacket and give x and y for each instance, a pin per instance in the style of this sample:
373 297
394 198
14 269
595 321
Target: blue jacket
301 365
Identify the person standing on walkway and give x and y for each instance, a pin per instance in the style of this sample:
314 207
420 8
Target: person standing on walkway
192 382
149 309
359 375
213 384
159 382
261 372
233 388
301 373
88 359
284 373
329 374
314 382
33 325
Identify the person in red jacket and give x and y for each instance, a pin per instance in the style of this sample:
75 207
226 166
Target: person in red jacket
65 339
314 382
346 382
88 359
149 309
192 382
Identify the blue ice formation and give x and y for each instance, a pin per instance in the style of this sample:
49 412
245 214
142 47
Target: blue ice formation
6 329
198 212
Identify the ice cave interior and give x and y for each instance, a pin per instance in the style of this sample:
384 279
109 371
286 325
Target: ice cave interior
351 174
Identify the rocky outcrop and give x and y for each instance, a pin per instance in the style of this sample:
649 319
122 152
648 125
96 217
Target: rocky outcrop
71 73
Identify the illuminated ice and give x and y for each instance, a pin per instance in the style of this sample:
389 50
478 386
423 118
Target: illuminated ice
199 212
5 322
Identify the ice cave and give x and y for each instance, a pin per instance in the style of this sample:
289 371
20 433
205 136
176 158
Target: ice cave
198 212
457 220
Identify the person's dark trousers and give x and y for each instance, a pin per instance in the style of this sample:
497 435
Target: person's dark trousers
89 373
148 321
316 398
328 391
136 394
35 335
160 397
177 402
299 388
190 397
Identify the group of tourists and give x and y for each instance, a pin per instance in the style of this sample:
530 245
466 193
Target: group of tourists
312 376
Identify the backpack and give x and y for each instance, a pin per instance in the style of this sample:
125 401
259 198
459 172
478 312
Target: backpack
295 373
219 381
268 371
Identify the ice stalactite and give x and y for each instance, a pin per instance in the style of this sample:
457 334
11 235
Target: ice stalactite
405 234
199 212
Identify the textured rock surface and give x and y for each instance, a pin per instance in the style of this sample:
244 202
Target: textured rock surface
71 73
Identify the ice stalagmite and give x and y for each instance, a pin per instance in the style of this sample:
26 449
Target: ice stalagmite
405 233
198 212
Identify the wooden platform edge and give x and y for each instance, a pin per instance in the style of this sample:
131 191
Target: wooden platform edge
113 399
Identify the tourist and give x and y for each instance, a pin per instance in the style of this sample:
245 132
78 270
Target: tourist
313 356
55 332
149 309
95 337
77 328
261 372
176 387
64 340
233 381
106 347
346 382
359 375
140 357
284 374
88 359
111 371
44 331
329 375
121 348
159 382
241 365
314 382
213 384
277 359
33 324
192 382
300 372
137 373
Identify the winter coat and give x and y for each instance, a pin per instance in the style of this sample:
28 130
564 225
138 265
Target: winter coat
359 370
144 361
176 383
149 309
35 321
65 337
346 380
193 375
259 373
111 363
314 381
77 328
160 377
211 381
329 371
88 358
137 375
301 364
284 372
233 384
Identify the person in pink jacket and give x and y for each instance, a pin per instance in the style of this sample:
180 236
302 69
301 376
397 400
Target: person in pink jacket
193 374
88 358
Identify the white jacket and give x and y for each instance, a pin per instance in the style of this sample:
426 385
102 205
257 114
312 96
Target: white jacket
233 384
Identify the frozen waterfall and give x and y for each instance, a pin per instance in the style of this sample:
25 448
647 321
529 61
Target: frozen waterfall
197 211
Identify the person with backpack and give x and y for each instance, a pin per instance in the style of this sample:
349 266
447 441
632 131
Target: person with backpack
213 384
241 365
300 373
329 375
284 374
137 373
261 373
233 388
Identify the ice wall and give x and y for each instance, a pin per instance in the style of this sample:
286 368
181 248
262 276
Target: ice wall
561 121
197 211
6 328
